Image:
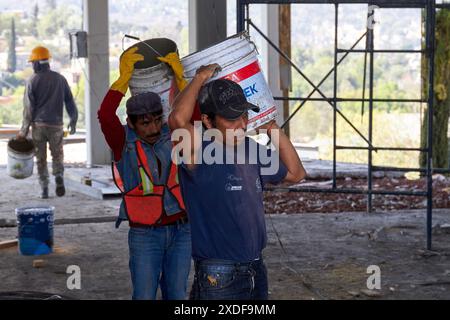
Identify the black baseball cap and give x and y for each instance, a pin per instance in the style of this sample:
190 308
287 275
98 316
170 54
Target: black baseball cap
144 103
225 98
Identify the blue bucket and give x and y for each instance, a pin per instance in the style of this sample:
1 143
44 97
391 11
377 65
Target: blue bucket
35 226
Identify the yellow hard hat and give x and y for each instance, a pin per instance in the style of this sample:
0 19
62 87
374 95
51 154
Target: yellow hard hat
39 53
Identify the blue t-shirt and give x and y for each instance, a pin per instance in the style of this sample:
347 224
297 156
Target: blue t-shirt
224 203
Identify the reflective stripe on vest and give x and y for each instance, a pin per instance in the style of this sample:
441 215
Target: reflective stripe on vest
147 184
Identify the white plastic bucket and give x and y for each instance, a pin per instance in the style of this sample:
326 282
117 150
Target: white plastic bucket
20 164
238 58
158 79
151 75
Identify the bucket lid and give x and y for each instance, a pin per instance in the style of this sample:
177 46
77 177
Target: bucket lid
163 46
226 53
25 146
35 210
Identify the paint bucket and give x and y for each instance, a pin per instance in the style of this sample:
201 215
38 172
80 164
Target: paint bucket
151 75
35 230
20 158
238 58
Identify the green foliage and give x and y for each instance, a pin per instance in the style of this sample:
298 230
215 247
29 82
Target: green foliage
58 22
441 110
313 123
21 25
390 130
14 79
12 112
12 57
51 4
35 21
48 24
393 79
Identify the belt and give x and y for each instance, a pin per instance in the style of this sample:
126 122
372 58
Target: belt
228 263
180 221
43 124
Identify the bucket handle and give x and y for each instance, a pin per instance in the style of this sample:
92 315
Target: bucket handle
246 35
143 42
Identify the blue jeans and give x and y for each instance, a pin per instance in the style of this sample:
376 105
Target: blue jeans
160 256
228 280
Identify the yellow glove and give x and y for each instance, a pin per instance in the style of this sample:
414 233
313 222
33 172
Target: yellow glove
127 61
173 60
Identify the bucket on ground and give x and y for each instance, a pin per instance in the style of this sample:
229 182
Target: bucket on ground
238 58
35 230
152 75
20 158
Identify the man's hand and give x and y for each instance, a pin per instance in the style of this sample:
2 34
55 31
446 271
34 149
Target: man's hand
207 72
184 104
174 61
268 127
127 62
72 127
286 150
21 136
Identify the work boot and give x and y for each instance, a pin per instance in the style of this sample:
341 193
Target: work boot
60 189
44 194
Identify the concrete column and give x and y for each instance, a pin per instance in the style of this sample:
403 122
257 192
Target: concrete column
207 23
270 58
97 82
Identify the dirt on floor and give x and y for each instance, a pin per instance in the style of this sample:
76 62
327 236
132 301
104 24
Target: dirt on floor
299 202
322 254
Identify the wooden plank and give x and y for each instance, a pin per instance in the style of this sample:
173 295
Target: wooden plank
284 14
38 264
9 244
9 131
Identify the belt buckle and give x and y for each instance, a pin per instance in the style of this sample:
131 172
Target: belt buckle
180 221
183 220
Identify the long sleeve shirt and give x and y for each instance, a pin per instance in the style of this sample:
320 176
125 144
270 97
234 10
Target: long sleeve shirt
46 93
114 133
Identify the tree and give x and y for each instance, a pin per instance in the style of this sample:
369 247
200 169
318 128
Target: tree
12 57
35 20
441 111
51 4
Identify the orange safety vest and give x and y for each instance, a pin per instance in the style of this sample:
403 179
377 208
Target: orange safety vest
145 203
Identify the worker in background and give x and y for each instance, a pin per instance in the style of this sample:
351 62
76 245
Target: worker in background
224 201
46 93
159 237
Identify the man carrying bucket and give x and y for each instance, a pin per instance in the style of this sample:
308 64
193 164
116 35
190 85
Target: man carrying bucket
46 93
224 201
159 238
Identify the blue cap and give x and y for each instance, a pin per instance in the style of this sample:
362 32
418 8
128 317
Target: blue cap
144 103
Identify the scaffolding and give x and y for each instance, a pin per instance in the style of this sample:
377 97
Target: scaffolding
244 22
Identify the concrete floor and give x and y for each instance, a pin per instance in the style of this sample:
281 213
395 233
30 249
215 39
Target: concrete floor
325 256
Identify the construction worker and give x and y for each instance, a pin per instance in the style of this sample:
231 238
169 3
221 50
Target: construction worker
224 200
159 237
46 93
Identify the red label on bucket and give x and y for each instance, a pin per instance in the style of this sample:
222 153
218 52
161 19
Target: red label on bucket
256 90
244 73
